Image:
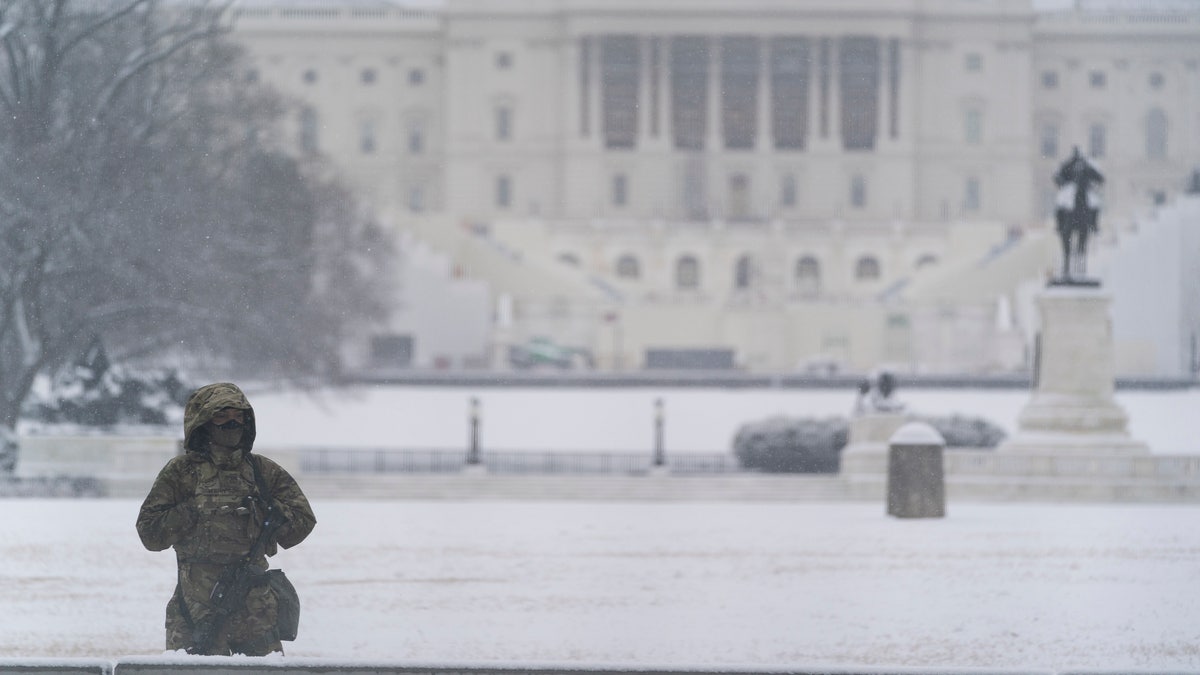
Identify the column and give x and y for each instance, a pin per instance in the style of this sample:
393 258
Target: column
883 136
666 129
765 94
645 105
713 132
595 94
835 93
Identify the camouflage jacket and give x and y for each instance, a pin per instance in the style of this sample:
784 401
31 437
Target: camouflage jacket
210 511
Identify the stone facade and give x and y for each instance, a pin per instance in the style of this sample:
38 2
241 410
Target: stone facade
765 175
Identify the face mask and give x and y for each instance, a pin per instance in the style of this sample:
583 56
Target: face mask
227 435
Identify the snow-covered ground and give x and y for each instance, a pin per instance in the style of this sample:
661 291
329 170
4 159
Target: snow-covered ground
1047 586
623 419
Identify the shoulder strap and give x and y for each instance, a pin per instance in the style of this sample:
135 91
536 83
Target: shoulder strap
256 465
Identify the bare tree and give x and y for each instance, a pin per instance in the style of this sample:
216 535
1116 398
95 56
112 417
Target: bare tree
143 200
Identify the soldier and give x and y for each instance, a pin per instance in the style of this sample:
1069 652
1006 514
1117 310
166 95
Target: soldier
212 504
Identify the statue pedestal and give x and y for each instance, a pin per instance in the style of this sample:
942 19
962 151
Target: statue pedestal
867 447
1072 409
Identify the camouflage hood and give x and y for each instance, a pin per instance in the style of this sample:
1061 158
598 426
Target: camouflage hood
204 403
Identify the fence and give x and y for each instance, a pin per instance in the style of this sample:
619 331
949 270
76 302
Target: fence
358 461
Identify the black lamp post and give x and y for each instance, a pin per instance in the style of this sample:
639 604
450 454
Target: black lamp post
660 455
473 458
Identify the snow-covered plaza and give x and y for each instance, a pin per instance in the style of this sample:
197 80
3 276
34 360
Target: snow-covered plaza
991 585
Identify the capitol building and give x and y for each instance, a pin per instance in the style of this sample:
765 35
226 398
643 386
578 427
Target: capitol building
769 185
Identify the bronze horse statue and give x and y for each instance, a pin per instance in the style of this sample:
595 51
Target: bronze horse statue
1077 211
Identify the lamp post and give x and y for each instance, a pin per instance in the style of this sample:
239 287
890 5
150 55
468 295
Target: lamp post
473 449
660 455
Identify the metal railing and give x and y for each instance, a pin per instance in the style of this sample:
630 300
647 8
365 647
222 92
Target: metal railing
386 460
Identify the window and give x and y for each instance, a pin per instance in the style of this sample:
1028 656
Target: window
859 64
1048 140
689 91
926 260
739 91
251 76
787 191
416 77
739 197
971 194
308 130
416 199
620 77
504 122
687 273
620 190
1156 80
790 75
1097 79
628 267
808 276
866 269
858 191
1097 141
568 258
745 273
973 63
1049 79
416 139
973 126
504 60
367 76
503 192
1156 134
366 137
310 76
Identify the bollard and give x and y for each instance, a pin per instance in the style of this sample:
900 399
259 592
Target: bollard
660 453
916 483
473 458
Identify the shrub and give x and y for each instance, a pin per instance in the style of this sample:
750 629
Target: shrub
791 445
961 431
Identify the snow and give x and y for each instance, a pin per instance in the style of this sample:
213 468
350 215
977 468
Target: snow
990 585
696 419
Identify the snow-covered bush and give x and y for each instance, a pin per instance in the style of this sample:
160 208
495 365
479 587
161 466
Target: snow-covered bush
791 445
961 431
807 445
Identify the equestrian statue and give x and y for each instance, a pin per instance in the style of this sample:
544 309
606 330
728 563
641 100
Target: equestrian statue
1077 213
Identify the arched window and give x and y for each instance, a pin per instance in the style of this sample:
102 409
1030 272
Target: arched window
858 191
504 122
628 267
1156 134
866 269
808 276
787 191
687 273
745 273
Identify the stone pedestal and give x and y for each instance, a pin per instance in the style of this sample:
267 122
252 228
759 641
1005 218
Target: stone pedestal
1072 409
867 447
916 483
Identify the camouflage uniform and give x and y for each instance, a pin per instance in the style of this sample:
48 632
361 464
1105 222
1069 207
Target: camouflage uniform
207 506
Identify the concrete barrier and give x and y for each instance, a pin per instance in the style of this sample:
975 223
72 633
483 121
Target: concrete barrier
171 664
286 666
36 666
